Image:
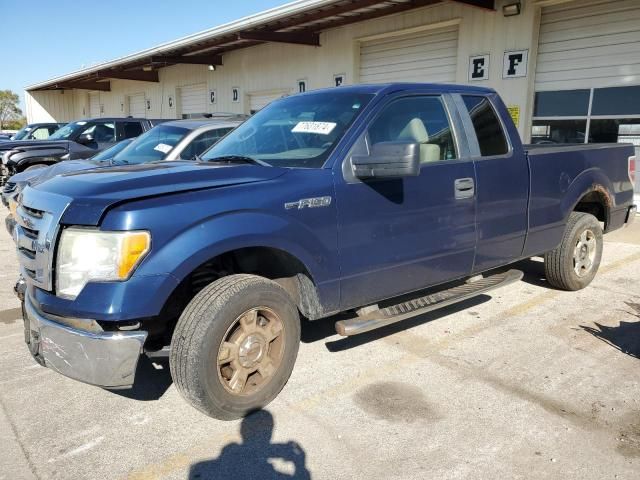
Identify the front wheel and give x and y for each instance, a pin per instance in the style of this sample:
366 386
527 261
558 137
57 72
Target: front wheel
574 263
235 345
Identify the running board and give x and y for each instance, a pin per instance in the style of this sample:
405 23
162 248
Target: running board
418 306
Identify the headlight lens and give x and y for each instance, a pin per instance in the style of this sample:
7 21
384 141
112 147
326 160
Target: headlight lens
85 255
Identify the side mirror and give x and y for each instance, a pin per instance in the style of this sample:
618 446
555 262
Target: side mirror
85 139
388 160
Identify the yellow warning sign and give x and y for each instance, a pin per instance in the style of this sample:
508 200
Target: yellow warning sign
514 111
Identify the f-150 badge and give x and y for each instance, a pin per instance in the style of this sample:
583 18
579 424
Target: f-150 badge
314 202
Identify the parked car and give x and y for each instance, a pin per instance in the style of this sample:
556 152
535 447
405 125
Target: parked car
180 139
11 190
37 131
379 201
76 140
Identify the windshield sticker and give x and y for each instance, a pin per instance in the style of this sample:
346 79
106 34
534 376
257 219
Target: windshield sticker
163 147
321 128
81 123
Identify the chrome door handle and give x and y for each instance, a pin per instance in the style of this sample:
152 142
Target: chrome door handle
464 188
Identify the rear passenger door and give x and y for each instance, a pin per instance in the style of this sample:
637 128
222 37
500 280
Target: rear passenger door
400 235
502 187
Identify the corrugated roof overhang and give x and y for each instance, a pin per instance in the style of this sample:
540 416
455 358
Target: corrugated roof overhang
298 22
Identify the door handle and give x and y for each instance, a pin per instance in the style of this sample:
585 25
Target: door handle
464 188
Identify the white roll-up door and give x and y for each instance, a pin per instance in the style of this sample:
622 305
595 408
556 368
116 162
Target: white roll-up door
426 56
588 43
193 99
94 105
259 101
137 106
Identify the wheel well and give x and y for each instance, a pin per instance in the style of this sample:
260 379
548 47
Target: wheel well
597 202
274 264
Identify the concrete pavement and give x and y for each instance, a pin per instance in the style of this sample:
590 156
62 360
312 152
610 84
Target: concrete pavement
527 382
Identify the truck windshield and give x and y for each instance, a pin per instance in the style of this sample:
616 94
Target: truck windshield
151 146
69 129
298 131
22 133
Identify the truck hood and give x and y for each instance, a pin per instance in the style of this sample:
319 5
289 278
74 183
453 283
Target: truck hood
90 193
24 145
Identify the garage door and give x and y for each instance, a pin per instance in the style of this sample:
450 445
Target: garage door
137 106
94 105
193 100
430 56
590 43
259 101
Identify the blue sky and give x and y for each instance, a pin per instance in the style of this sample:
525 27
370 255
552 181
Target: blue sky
52 38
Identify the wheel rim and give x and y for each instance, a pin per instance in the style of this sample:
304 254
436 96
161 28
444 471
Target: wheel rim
251 351
584 254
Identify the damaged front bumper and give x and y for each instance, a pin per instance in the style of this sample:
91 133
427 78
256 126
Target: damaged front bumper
105 359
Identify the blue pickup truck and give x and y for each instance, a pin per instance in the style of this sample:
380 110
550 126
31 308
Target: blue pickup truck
378 201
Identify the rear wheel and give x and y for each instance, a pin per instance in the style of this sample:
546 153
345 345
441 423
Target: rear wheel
235 345
574 263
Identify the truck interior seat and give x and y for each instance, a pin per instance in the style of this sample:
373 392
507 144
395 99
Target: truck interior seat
416 131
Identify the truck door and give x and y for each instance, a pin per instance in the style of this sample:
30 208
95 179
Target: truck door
502 186
400 235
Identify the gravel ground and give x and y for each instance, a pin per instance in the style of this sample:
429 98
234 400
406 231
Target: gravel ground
525 382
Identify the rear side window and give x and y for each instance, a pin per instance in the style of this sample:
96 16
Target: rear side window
487 126
130 130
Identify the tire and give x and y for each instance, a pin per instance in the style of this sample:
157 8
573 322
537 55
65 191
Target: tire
219 324
566 266
37 166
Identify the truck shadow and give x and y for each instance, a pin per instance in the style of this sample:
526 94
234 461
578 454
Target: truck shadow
153 379
624 338
322 329
256 456
533 270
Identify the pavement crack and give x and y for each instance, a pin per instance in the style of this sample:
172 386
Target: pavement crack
14 431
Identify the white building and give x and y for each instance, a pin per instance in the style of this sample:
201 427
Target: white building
568 69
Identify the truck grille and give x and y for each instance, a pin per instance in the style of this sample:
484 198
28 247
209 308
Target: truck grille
37 218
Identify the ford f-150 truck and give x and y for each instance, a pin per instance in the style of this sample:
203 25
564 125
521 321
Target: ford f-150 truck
381 202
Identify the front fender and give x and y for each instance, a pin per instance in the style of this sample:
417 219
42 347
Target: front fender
224 233
22 160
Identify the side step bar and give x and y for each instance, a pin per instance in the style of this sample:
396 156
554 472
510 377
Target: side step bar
418 306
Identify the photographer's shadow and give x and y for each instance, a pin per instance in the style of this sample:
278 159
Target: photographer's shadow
255 457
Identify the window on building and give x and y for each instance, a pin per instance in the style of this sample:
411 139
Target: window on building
610 115
486 124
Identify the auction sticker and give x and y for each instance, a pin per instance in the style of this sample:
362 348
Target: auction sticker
163 147
321 128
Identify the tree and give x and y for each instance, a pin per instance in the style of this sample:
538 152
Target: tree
9 109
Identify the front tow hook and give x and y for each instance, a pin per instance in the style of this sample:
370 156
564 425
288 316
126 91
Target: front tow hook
20 288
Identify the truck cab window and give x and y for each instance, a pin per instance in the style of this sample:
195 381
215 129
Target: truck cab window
421 120
129 130
491 138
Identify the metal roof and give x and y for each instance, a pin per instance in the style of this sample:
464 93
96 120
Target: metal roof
298 22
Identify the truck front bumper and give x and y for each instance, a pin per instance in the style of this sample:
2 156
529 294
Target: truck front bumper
106 359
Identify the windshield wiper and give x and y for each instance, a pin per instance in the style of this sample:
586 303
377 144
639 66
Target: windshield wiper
238 158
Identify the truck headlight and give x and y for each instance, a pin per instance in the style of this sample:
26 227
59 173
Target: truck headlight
85 255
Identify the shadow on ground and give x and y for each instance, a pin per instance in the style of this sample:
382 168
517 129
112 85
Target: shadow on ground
625 337
255 457
153 379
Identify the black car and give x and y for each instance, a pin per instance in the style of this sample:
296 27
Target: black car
37 131
76 140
